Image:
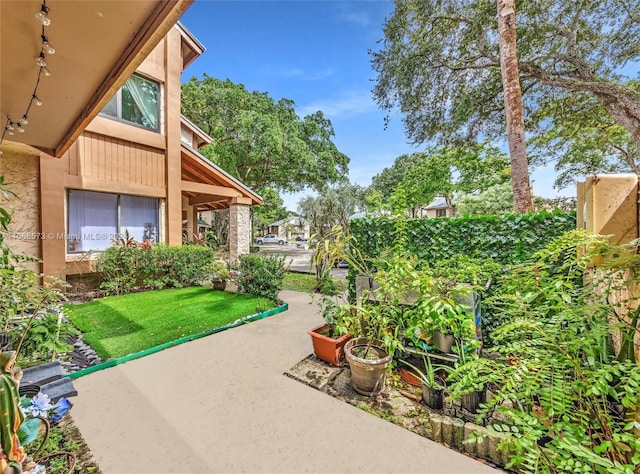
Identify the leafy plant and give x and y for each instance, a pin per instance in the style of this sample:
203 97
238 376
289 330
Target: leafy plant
429 375
259 276
567 402
507 239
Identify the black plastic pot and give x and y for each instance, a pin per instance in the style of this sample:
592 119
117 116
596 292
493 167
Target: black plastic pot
471 401
433 397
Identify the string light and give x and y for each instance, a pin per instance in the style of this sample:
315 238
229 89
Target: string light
11 126
46 46
43 15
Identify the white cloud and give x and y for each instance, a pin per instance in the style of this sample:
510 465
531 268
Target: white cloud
348 105
306 76
359 18
347 14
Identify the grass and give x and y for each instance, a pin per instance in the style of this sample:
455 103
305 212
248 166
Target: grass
306 282
116 326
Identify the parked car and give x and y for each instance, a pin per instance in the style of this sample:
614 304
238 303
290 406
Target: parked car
271 239
302 243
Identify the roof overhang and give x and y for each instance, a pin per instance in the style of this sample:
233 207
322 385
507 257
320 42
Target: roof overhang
209 187
99 44
191 47
203 138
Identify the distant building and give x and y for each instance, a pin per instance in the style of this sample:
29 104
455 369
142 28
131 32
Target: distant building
438 208
290 228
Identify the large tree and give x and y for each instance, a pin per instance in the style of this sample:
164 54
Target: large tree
513 106
262 142
442 171
332 208
439 63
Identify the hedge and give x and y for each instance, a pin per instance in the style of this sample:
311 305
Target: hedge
124 268
507 239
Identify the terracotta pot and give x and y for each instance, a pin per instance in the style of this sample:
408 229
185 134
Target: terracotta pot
410 377
367 375
443 342
326 348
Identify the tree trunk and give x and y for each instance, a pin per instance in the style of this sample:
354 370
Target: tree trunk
513 107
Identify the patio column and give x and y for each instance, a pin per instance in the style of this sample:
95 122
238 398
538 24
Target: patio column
239 227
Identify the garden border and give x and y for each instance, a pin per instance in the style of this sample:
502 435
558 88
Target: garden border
176 342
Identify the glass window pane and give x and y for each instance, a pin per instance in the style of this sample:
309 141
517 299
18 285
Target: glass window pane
140 102
112 107
139 216
93 220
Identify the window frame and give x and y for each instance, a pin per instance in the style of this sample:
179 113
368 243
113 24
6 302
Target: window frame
118 218
118 99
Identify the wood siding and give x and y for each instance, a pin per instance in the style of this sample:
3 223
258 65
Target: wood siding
111 159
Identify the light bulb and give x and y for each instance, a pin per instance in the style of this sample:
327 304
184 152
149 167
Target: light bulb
40 60
10 132
9 126
20 129
48 48
46 71
43 16
37 101
23 120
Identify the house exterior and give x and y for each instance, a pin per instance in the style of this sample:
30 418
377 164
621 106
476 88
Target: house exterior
291 228
438 208
130 162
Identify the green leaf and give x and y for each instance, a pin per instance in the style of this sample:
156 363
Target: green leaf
29 430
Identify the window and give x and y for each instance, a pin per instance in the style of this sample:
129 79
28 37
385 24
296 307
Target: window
137 102
96 219
441 213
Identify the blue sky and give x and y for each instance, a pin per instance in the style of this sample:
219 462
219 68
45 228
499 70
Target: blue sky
316 54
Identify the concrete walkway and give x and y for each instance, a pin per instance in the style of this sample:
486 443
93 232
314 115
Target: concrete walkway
222 404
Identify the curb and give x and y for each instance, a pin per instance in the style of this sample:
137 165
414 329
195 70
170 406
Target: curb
176 342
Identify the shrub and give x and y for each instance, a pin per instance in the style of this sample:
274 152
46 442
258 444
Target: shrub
119 267
153 267
259 276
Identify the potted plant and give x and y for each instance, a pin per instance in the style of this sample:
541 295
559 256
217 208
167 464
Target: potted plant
368 361
218 272
329 339
432 381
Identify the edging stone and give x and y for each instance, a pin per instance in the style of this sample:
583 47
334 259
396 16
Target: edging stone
454 433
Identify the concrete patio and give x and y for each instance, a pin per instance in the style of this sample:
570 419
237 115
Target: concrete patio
222 404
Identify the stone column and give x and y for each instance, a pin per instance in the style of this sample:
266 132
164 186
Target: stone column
239 227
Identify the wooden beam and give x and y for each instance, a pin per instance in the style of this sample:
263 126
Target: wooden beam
107 186
206 199
210 189
158 24
242 200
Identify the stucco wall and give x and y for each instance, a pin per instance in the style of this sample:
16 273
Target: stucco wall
21 174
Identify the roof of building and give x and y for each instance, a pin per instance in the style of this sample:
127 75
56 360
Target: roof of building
438 203
195 129
221 175
294 220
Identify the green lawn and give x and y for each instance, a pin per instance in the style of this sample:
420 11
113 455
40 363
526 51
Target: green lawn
306 282
116 326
